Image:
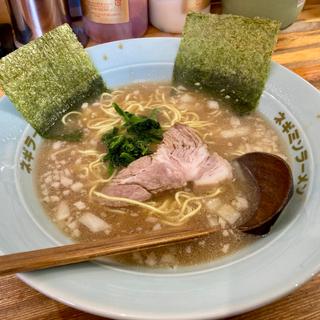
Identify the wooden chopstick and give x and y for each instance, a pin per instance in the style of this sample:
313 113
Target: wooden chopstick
79 252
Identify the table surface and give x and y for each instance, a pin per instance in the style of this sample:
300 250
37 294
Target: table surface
298 49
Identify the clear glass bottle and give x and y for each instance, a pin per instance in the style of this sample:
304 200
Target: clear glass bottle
286 11
109 20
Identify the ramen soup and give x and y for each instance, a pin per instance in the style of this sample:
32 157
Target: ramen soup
202 185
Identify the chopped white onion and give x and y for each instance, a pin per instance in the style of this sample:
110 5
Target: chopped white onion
213 221
168 259
85 105
63 211
151 259
94 223
76 187
235 122
202 243
225 233
156 227
225 248
213 105
57 145
56 185
151 219
93 142
222 223
229 213
186 98
213 204
66 182
107 231
79 205
76 233
48 180
188 249
73 225
182 88
66 192
236 132
240 203
54 198
134 214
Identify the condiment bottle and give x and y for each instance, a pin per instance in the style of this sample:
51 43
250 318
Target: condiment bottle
170 15
109 20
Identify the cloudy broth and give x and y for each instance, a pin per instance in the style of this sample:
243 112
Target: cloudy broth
66 185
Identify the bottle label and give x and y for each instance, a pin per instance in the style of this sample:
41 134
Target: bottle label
106 11
195 5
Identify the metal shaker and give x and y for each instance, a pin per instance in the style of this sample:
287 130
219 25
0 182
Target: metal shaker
32 18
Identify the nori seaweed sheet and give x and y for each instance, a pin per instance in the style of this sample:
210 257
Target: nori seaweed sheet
226 55
49 77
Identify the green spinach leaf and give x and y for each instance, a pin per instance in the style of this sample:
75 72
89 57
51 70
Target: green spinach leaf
132 140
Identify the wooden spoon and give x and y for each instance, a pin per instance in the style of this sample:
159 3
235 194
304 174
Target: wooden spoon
273 177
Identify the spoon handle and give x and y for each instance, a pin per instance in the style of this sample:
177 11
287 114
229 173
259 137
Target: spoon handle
79 252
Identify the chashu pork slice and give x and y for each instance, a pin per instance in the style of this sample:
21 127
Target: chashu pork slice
182 157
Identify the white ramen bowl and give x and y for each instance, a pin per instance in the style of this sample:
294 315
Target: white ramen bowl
267 269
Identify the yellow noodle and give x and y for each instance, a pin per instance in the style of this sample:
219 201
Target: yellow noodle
90 152
109 113
116 211
86 171
106 94
129 201
97 124
164 210
64 118
183 205
54 154
192 114
191 214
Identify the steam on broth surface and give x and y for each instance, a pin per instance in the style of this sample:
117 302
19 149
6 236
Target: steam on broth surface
70 176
